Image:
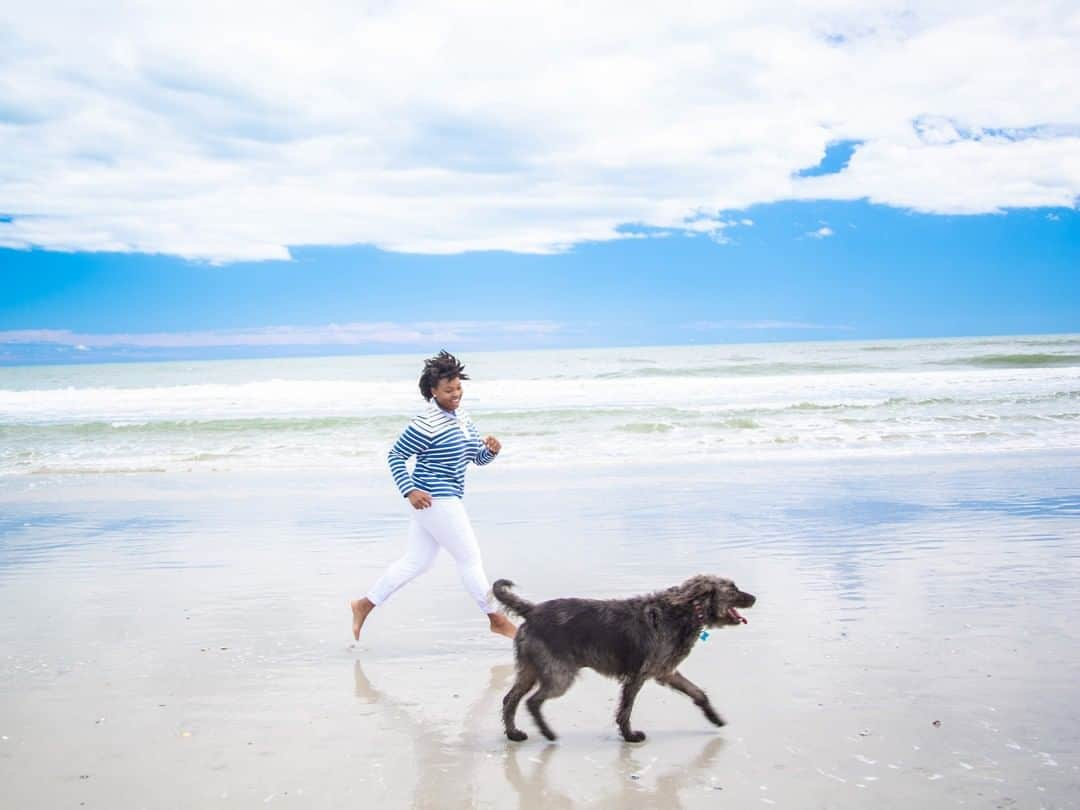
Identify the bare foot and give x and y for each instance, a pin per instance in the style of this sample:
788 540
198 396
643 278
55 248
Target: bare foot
502 625
360 610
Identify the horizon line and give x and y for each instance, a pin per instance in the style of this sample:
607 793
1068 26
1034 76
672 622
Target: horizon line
398 352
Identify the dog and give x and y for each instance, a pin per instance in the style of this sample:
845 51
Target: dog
628 639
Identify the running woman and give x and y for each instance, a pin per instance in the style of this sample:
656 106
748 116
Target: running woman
444 440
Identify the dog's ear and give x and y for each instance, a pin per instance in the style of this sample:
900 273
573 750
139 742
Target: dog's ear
695 591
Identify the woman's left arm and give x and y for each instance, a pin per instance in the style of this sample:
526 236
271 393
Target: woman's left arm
489 448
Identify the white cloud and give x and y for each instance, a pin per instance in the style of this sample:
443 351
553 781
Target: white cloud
232 131
821 233
349 334
712 225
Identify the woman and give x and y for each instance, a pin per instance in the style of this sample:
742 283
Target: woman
444 440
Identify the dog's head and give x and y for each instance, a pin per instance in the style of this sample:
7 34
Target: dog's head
715 600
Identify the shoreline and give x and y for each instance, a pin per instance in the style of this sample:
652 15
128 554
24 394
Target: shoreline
370 480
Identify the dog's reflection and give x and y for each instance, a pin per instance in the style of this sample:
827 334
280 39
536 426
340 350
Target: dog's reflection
449 764
534 790
633 786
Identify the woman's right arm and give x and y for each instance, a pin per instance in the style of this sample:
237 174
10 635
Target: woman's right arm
411 442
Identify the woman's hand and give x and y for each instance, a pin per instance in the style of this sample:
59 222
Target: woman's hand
419 499
492 444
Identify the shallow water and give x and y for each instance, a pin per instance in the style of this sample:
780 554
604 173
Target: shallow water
182 640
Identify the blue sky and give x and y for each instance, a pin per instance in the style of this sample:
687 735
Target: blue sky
390 177
881 273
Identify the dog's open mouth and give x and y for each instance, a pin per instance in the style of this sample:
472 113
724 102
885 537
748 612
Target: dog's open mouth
735 616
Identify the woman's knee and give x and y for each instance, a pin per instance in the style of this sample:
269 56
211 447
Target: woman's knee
414 566
424 565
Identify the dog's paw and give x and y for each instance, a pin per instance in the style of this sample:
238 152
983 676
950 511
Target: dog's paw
551 735
713 717
517 735
634 736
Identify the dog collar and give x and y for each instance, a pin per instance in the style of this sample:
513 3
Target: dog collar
699 618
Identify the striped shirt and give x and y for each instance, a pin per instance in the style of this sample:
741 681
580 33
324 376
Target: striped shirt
443 443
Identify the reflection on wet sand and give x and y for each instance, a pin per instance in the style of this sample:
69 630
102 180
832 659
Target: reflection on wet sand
445 761
634 788
448 764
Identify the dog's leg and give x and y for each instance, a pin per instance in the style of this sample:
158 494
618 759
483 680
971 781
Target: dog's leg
526 679
680 683
631 686
552 684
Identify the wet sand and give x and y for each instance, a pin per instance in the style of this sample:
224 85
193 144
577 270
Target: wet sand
183 640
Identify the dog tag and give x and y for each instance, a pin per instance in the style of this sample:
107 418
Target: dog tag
704 635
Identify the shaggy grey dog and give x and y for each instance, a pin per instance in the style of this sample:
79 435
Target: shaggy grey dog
628 639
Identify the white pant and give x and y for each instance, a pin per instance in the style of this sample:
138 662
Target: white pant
444 524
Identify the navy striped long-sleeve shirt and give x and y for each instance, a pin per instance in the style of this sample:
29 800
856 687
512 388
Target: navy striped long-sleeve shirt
443 444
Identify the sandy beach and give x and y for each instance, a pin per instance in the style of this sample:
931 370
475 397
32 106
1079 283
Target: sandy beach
183 641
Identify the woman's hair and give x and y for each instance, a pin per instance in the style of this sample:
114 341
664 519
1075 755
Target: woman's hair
443 366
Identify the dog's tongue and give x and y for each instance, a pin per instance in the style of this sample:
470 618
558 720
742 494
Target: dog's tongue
733 613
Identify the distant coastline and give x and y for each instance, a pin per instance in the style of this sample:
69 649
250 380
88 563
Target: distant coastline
16 354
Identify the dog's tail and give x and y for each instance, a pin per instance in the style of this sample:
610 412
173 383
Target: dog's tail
501 589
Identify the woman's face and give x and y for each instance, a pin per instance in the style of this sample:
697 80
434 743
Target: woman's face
448 394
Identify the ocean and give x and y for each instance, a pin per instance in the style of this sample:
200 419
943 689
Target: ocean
685 403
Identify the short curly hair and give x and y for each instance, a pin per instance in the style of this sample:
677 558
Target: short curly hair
443 366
